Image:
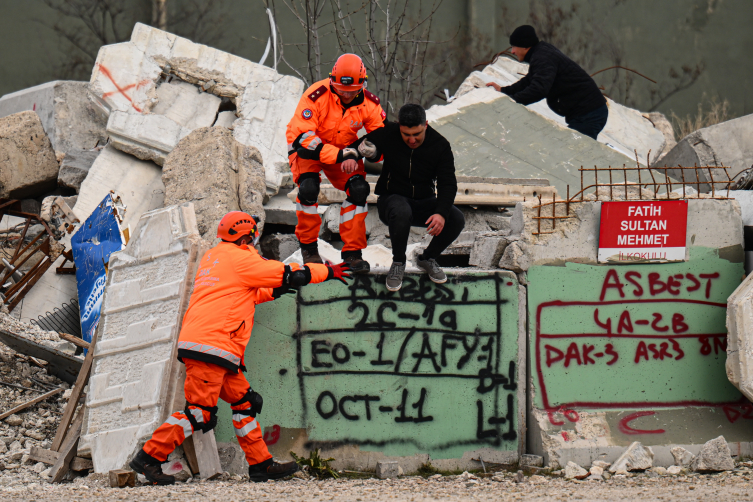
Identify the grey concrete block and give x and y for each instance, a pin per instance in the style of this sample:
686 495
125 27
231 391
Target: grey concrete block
68 116
138 182
726 144
531 460
387 469
75 167
28 166
487 251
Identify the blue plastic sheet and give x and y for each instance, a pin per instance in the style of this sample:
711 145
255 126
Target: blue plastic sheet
92 244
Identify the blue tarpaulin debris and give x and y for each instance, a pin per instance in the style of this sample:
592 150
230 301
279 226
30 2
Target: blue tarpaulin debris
92 244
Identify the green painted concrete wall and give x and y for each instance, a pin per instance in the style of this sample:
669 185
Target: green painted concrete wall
430 369
632 336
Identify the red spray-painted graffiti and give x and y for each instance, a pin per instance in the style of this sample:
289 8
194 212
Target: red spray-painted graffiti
626 429
272 435
121 90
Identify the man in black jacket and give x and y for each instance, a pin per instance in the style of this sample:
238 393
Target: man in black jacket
568 89
416 158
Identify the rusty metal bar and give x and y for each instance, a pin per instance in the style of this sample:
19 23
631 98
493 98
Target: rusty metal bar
21 240
554 209
611 195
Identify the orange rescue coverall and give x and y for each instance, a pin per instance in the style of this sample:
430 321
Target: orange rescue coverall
321 119
230 282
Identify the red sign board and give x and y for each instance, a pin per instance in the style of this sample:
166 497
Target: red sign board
642 230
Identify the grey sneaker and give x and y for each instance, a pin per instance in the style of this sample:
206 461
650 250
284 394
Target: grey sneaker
430 267
395 277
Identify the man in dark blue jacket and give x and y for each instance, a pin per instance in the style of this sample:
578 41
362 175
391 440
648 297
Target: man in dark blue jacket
568 89
416 160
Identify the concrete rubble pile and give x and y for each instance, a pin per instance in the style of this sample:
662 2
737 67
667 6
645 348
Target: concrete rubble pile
179 134
158 87
726 144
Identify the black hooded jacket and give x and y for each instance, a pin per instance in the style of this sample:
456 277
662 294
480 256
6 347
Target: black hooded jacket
415 172
568 89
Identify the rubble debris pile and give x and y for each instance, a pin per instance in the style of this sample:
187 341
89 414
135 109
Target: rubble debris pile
142 85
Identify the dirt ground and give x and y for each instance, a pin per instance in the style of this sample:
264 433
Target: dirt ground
735 485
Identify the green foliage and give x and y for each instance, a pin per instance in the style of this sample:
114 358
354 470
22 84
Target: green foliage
317 466
427 470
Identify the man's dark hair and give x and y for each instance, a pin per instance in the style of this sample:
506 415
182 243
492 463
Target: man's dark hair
411 115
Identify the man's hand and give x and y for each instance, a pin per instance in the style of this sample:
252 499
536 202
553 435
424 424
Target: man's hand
367 149
435 224
496 86
349 166
350 153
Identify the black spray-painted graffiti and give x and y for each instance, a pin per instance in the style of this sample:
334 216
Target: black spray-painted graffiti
423 366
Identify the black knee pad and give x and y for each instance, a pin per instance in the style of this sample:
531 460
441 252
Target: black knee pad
358 190
308 189
202 426
256 401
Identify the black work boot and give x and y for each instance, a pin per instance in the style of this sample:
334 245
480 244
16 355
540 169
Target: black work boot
271 469
310 253
356 263
151 468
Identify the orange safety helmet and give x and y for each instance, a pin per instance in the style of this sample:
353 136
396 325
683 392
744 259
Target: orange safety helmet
236 224
348 74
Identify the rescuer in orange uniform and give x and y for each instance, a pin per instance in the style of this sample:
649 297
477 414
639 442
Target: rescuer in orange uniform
232 279
327 120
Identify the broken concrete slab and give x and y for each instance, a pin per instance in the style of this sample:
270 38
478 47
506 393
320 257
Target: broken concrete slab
660 121
136 380
574 471
682 457
487 251
138 182
713 457
68 116
636 458
265 99
28 167
218 174
75 167
147 137
186 105
726 144
626 129
492 136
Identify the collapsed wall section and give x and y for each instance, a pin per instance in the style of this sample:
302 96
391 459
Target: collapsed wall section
431 373
632 352
135 382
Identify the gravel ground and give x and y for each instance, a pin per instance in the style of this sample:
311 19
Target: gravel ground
725 486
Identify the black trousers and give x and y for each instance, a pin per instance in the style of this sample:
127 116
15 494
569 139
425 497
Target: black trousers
400 213
591 123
